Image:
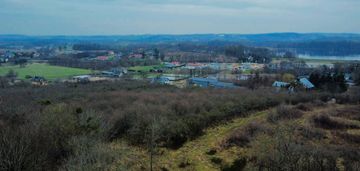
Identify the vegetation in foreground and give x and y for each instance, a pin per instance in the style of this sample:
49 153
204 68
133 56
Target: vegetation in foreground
115 126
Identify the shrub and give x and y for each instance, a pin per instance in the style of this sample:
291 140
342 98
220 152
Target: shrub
242 137
184 164
239 138
282 151
324 121
350 112
350 138
284 112
216 160
211 152
311 133
237 165
304 106
88 153
20 149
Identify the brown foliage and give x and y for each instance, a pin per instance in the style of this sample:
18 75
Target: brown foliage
242 136
284 112
326 122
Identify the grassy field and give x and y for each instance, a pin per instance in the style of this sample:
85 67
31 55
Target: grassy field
44 70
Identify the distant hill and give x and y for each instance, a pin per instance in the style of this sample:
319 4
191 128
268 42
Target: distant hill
246 38
339 44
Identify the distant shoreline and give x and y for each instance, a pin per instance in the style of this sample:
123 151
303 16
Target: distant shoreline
345 58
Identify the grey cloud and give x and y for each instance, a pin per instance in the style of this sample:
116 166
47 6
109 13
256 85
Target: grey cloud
177 16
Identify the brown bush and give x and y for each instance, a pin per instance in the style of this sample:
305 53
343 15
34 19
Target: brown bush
129 109
304 106
284 112
310 132
326 122
243 136
350 138
351 112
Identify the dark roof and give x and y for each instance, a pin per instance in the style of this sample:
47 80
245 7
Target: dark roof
209 82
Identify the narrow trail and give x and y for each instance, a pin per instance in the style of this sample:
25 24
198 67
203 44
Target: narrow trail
193 155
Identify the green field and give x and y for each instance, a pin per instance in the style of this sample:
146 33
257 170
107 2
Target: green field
45 70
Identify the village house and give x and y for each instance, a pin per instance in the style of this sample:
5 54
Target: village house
280 84
38 80
161 80
114 72
210 82
136 56
82 78
304 82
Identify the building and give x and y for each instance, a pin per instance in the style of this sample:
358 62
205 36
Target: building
82 78
38 80
4 59
306 83
210 82
302 81
161 80
114 72
349 79
110 74
280 84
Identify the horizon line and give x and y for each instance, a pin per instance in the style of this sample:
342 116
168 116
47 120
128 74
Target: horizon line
172 34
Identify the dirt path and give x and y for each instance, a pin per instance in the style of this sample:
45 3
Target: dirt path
193 155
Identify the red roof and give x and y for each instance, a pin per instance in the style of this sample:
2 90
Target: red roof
103 58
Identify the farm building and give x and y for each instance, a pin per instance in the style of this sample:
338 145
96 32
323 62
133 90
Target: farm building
38 80
161 80
82 78
280 84
302 81
306 83
114 72
210 82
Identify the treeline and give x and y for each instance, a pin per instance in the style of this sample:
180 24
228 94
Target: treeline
324 48
86 64
215 51
332 82
71 126
91 46
249 54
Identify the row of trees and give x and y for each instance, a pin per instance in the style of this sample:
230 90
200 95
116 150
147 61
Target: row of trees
332 82
88 64
249 54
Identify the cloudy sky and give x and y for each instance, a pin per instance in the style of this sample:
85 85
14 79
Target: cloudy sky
112 17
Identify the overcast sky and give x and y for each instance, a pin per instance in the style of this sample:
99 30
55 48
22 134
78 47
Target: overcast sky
113 17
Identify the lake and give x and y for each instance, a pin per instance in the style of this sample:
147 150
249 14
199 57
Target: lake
347 58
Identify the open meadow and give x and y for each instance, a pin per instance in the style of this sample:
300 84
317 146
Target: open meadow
44 70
